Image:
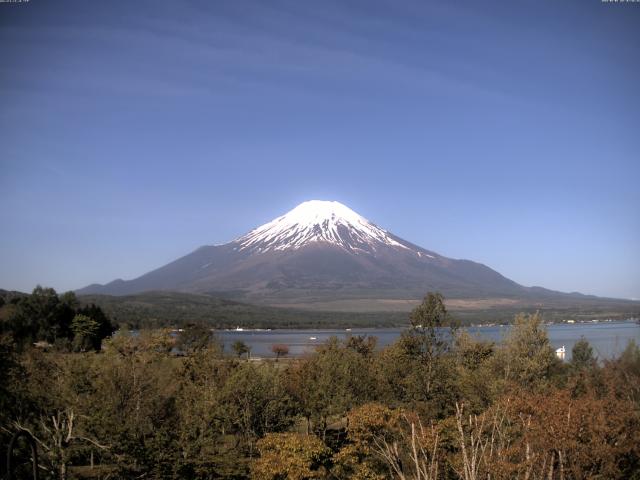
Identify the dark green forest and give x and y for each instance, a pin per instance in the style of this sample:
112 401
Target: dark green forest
61 321
437 404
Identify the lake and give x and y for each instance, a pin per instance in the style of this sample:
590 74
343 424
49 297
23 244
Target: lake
608 338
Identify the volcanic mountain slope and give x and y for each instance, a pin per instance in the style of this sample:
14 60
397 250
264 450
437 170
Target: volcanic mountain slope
321 250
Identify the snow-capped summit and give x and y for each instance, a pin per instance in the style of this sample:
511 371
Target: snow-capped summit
318 221
319 250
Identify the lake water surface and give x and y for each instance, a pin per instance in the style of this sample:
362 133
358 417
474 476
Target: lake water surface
608 339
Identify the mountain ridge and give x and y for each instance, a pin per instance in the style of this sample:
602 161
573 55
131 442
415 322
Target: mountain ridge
322 250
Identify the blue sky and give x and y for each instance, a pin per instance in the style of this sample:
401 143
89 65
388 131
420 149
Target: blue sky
503 132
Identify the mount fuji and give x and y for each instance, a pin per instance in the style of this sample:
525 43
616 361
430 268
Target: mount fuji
322 251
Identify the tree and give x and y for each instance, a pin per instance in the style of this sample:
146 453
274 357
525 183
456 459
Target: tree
85 332
240 348
290 456
552 435
363 344
207 442
70 300
424 349
105 326
280 350
475 375
387 443
624 372
134 406
12 386
41 316
329 383
193 339
582 355
472 352
257 401
528 358
45 316
584 367
369 428
53 317
427 336
58 438
61 407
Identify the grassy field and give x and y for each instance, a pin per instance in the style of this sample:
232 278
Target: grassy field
157 309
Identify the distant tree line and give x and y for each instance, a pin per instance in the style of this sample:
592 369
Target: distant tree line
436 404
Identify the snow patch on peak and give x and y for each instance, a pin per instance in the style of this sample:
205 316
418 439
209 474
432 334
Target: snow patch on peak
318 221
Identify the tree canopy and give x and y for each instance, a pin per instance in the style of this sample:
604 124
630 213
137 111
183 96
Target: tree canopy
45 316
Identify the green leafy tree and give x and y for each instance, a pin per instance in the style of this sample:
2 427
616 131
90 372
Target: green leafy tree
428 337
329 383
257 402
528 358
85 332
624 372
12 387
474 375
583 369
194 338
45 316
582 355
61 408
240 348
105 326
41 316
209 445
135 409
423 353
